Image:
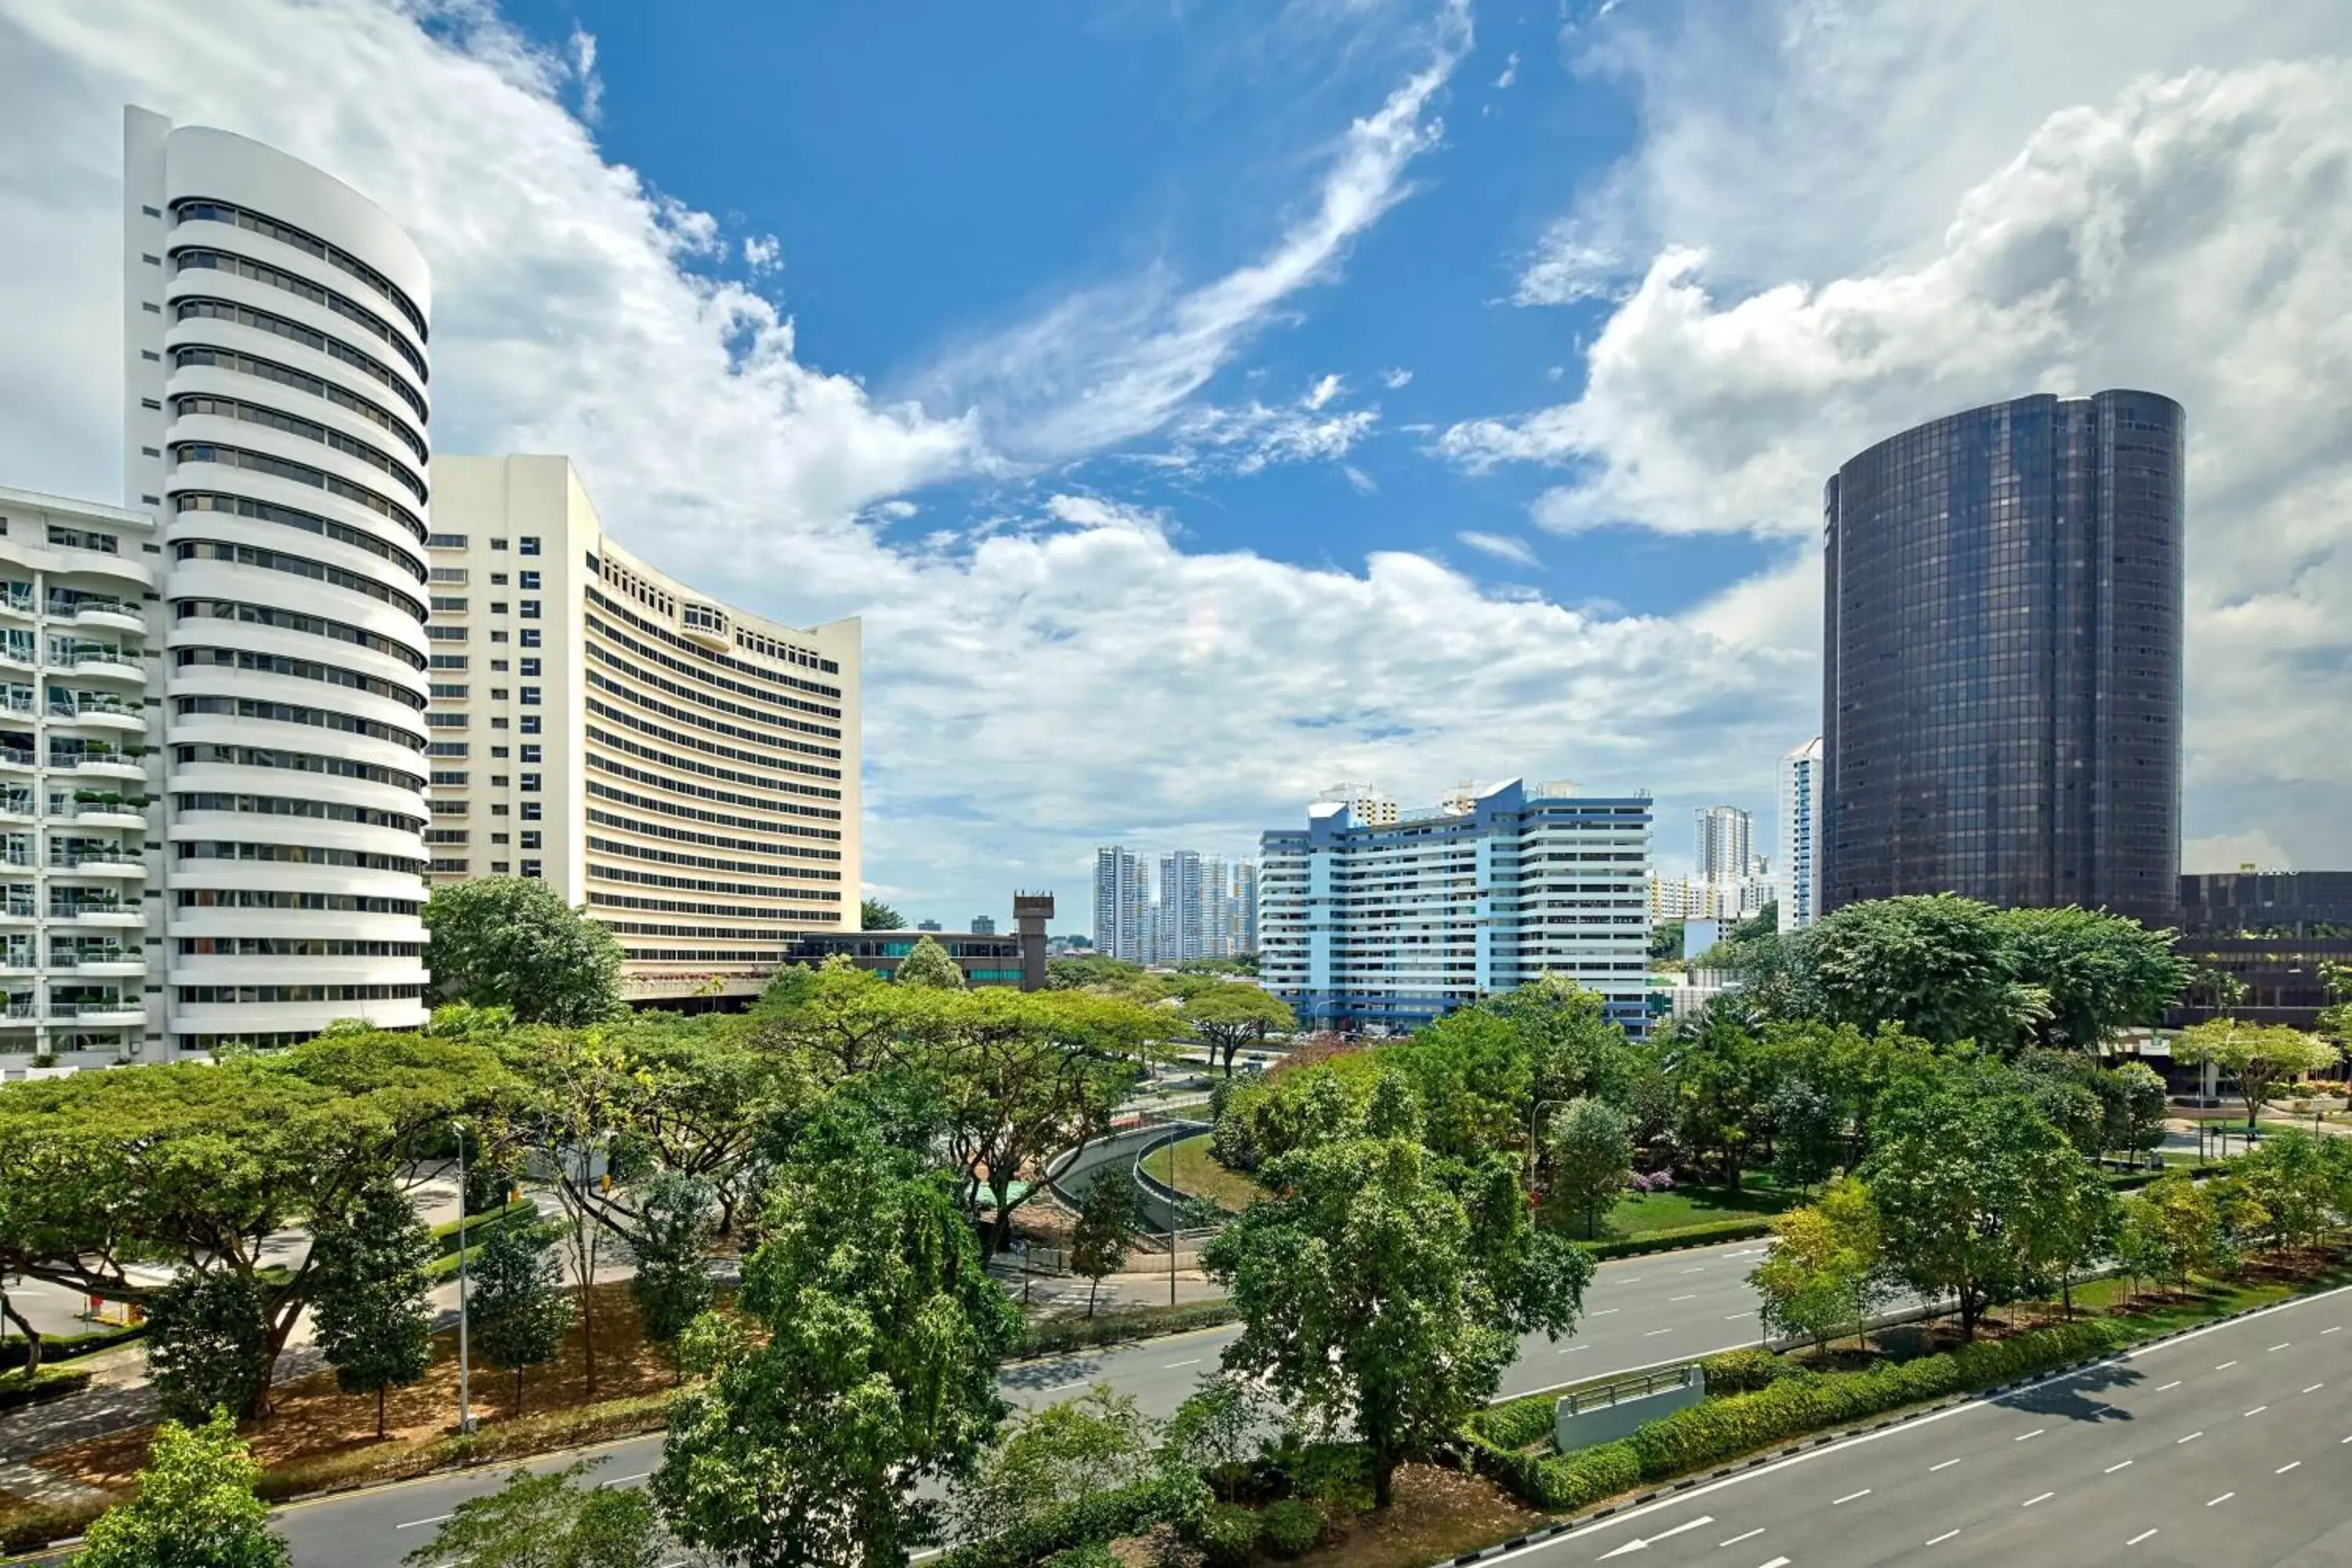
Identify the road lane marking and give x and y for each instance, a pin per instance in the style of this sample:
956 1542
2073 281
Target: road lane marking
2111 1470
1850 1497
2336 1330
1943 1538
1059 1386
1946 1465
1653 1333
2169 1386
1172 1365
2190 1438
1672 1299
1641 1543
1737 1316
1701 1269
1571 1349
2279 1346
624 1481
2136 1539
2021 1437
2225 1366
413 1523
2290 1465
1604 1312
2045 1497
1737 1539
2315 1388
2257 1410
2225 1496
1777 1563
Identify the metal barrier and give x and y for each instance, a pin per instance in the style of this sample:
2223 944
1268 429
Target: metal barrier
1640 1387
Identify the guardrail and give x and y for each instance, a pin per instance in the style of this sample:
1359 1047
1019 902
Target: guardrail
1642 1387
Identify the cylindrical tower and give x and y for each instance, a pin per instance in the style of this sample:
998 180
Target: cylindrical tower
293 493
2001 697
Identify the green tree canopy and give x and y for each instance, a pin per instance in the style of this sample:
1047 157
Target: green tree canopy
1824 1272
547 1520
878 1375
671 1242
1108 1220
518 1310
2102 973
1080 970
873 914
372 1311
2259 1056
1941 966
1587 1153
1385 1287
196 1508
1228 1015
1055 1456
928 965
513 941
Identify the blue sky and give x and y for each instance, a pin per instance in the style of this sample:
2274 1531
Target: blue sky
1201 405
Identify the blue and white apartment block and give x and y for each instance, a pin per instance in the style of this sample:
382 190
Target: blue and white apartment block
1376 917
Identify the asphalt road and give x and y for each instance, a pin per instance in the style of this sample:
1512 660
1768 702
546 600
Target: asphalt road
1639 1313
2231 1447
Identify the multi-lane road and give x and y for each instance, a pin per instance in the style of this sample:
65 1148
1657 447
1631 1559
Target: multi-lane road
1638 1312
2228 1448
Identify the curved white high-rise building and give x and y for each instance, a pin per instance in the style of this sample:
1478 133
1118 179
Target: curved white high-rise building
277 394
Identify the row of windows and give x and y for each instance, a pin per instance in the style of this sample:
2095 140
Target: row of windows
703 885
639 928
287 899
680 907
204 309
294 566
295 621
695 814
326 391
296 947
700 659
701 862
655 781
299 854
326 436
194 209
759 955
260 663
717 726
288 517
298 762
289 714
191 258
646 679
198 995
286 805
688 764
715 748
302 474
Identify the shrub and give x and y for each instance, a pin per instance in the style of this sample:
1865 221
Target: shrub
1084 1333
1705 1234
1517 1423
1744 1372
1337 1473
1292 1527
1100 1517
1226 1534
1093 1555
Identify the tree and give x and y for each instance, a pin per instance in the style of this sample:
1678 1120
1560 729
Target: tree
1055 1456
1474 1075
1572 1045
518 1310
2134 1101
202 1164
547 1520
873 914
1807 1132
1941 966
1588 1151
2182 1214
1721 1090
700 1092
1088 969
206 1335
2071 1222
513 941
1956 1174
1108 1220
1666 942
1216 1430
583 1090
2102 973
877 1377
1823 1273
372 1311
671 1241
2291 1174
1384 1289
2261 1057
1232 1014
195 1507
928 965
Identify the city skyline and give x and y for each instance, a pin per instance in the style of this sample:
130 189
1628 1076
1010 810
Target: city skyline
1383 267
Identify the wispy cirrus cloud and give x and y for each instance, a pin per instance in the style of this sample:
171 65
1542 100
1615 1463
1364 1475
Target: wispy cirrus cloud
1502 546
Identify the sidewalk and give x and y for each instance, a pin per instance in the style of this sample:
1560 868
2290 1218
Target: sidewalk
1064 1295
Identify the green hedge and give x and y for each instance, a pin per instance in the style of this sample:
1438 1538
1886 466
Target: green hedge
1789 1406
445 1235
1115 1328
1707 1234
1102 1516
1744 1372
64 1347
15 1393
1516 1423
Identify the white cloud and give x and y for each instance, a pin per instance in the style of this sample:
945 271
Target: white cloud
1118 361
1253 436
1362 483
1396 378
763 253
1321 393
2061 217
583 71
1566 269
1503 547
2234 852
1510 73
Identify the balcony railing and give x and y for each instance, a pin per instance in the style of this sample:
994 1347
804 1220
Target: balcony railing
69 862
18 597
74 911
75 604
74 957
90 1009
73 704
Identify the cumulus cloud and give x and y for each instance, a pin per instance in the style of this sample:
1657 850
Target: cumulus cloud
2080 218
1510 73
1566 267
1502 546
763 253
1322 392
1111 364
1396 378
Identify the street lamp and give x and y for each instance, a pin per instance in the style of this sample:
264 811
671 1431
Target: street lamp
465 1368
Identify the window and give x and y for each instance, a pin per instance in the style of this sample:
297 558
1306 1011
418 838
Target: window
499 809
496 636
498 579
500 837
498 666
530 867
450 692
449 661
529 637
448 749
454 867
444 605
702 617
444 542
531 696
531 753
497 606
531 609
448 575
529 544
442 780
530 783
530 667
498 722
500 866
446 634
528 580
530 723
531 811
498 544
530 841
499 751
499 781
498 694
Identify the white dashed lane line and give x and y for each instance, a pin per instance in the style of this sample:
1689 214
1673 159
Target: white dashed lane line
1850 1497
1939 1541
2045 1497
2169 1386
2136 1539
2225 1496
2111 1470
1736 1540
437 1518
2023 1436
1946 1465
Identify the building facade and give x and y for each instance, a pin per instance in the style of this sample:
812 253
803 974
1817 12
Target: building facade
2001 684
2267 903
1393 924
1122 895
1799 877
276 393
684 770
1725 844
1692 899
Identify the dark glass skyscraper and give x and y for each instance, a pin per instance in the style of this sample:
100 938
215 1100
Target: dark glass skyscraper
2001 687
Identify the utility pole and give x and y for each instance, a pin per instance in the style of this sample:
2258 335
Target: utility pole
465 1406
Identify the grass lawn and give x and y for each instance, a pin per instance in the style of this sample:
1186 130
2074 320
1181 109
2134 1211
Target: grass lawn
1646 1213
1189 1167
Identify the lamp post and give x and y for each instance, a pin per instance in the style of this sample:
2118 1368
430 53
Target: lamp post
465 1368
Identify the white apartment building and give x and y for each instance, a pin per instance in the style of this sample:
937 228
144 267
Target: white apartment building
275 394
1694 899
1801 871
1723 836
686 770
1122 894
1394 923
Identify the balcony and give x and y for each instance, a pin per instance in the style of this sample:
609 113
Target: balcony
16 598
19 1011
93 610
96 764
18 958
91 809
97 912
100 1010
106 959
100 661
98 863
